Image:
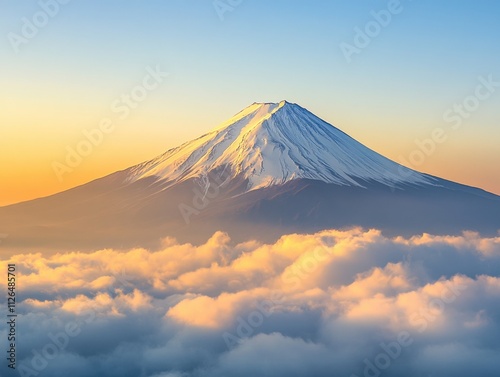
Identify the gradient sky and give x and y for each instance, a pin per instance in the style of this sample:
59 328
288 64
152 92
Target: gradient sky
65 78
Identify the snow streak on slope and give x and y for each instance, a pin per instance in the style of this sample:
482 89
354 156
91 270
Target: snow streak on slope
272 143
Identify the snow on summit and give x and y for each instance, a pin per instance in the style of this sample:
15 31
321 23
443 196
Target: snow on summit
272 143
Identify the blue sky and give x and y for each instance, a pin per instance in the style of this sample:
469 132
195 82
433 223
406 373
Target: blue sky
395 90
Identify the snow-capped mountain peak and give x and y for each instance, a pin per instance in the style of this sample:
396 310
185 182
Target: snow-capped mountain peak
272 143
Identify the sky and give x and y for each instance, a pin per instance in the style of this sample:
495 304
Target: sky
391 74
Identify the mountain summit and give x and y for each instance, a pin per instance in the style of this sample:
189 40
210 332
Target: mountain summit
283 170
273 143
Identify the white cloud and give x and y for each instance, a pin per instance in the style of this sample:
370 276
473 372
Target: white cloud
305 305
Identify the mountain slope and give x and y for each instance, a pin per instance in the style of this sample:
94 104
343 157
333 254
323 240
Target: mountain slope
272 169
273 143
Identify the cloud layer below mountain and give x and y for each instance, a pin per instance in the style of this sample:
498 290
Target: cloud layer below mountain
335 303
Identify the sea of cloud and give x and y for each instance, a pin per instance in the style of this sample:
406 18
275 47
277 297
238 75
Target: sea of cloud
334 303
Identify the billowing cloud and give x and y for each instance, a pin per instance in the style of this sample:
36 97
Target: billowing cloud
346 303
